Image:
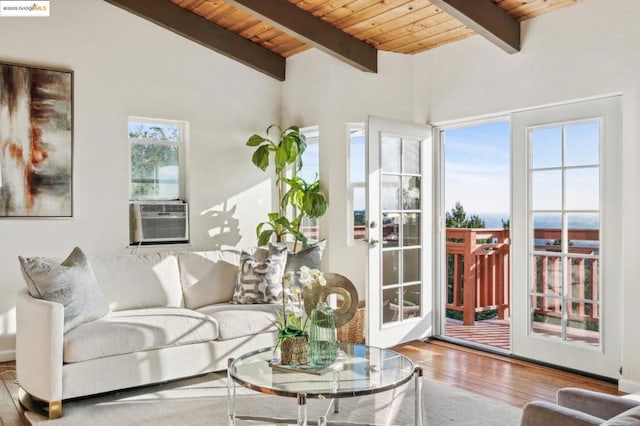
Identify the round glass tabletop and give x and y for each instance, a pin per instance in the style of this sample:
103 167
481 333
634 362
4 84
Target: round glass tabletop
359 370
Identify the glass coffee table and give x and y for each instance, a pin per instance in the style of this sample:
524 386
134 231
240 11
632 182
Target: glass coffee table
360 370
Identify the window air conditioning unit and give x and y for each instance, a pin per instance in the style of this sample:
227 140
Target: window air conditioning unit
153 222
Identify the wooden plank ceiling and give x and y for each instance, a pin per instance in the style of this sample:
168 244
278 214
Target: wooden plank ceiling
401 26
263 33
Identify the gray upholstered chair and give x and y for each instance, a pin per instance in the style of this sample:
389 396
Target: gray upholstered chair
580 407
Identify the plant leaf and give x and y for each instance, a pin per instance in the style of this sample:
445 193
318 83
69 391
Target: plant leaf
261 157
273 217
264 237
314 204
272 126
281 158
256 140
285 199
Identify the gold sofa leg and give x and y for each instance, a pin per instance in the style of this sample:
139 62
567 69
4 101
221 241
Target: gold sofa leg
51 409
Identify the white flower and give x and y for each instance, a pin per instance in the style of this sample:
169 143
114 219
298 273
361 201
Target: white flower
287 278
306 281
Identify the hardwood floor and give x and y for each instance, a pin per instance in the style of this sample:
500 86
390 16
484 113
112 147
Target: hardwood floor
493 376
10 414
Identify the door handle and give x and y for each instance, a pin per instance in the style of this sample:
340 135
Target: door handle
372 242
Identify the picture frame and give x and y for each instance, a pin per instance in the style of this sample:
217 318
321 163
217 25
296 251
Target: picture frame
36 141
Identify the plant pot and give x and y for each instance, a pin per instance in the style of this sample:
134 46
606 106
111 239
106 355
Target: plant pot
294 351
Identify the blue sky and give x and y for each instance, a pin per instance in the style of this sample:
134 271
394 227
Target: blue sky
477 168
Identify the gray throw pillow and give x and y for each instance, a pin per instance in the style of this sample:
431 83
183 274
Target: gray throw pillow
71 283
260 281
310 257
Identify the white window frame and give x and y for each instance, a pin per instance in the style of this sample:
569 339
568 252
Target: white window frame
182 152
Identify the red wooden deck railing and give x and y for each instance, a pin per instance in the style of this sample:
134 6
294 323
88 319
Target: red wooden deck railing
582 275
481 257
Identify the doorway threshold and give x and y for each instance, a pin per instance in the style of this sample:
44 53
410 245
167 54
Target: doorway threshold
473 345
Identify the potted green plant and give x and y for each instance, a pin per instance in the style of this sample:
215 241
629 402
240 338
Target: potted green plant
305 198
292 338
292 322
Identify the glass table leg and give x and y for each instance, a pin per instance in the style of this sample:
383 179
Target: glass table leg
231 396
302 409
418 395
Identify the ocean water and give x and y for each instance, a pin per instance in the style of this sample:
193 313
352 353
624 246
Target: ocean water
576 221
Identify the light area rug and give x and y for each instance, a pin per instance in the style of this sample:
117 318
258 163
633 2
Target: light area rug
202 400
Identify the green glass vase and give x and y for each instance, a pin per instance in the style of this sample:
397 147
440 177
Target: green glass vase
323 346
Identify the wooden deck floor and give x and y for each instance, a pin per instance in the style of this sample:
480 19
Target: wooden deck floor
493 332
496 333
493 376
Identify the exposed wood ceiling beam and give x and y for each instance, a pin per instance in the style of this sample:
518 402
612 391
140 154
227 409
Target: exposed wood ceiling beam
195 28
486 19
289 18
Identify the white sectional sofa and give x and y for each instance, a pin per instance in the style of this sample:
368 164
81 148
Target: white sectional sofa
169 318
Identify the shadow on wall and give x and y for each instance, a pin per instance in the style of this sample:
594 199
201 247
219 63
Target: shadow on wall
223 227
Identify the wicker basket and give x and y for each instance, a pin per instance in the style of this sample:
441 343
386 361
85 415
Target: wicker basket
353 331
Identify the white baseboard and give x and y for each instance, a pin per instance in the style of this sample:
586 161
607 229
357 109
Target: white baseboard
7 356
628 386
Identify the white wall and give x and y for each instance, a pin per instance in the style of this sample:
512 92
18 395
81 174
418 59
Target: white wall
124 65
566 55
321 90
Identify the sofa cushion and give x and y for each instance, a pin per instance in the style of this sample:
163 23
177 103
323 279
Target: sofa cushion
260 281
629 417
208 277
71 283
136 330
131 282
241 320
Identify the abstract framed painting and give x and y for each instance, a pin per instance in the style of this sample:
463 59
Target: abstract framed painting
36 141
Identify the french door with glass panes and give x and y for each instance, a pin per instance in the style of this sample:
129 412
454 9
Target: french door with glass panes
399 232
566 230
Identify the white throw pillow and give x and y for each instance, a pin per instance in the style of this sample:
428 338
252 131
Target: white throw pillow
71 283
208 277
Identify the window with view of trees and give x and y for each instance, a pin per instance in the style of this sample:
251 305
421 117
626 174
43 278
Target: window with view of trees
157 156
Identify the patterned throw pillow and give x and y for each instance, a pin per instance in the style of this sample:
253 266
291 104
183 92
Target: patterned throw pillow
71 283
260 281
